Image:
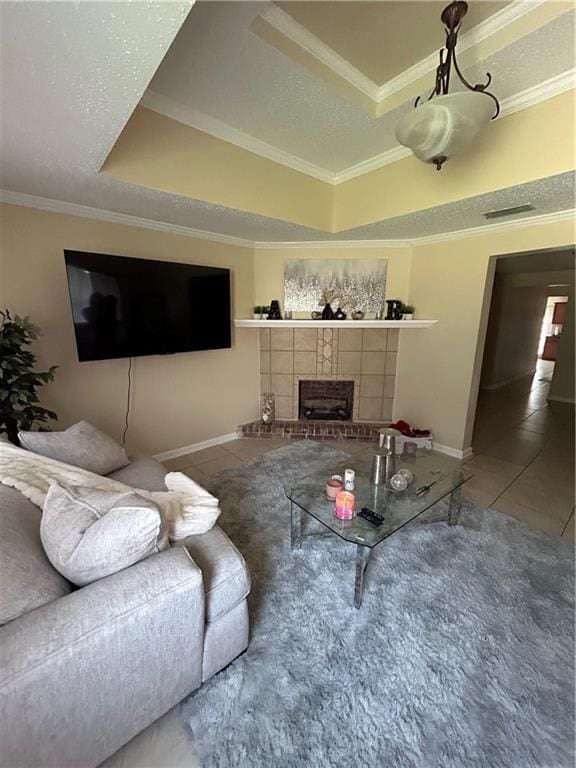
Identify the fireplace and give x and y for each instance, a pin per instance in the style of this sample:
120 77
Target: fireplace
325 399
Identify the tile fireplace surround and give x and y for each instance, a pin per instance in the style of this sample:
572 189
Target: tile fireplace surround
366 356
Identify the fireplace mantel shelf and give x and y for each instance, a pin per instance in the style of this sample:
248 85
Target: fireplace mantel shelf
242 323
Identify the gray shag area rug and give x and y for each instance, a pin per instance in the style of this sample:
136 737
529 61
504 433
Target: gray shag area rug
461 655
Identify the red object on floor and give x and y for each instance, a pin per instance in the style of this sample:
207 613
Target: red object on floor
405 429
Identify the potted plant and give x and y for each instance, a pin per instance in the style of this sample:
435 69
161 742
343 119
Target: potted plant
257 312
265 312
407 311
19 406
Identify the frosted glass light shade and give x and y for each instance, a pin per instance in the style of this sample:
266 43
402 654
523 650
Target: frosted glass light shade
441 127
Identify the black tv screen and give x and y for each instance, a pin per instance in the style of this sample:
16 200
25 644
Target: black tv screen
124 307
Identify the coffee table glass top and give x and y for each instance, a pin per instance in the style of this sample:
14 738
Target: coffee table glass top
309 493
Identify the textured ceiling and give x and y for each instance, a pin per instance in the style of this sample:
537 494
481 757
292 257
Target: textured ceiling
71 73
555 193
218 66
548 195
367 33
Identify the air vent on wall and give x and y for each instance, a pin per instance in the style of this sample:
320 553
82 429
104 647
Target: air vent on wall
508 211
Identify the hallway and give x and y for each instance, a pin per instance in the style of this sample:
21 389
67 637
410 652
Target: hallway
524 456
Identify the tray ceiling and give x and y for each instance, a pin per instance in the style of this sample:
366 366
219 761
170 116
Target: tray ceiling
72 73
219 69
382 39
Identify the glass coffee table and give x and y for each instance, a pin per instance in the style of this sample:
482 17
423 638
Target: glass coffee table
308 498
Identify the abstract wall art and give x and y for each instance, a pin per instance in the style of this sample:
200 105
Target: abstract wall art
356 283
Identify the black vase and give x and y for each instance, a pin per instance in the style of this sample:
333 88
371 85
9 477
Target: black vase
340 315
274 312
327 313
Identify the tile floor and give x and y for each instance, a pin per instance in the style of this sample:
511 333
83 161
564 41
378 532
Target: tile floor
523 461
523 465
524 456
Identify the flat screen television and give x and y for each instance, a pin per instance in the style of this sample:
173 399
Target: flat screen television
125 307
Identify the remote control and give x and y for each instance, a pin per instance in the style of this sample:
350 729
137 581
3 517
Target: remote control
371 516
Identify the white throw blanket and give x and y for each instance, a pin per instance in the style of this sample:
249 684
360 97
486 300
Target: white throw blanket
187 507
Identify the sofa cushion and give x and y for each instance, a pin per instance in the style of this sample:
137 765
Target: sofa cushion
81 445
27 578
226 578
142 472
89 534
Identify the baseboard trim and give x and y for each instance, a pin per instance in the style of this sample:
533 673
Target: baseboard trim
456 453
177 452
500 384
556 399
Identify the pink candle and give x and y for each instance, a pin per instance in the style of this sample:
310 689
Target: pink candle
345 505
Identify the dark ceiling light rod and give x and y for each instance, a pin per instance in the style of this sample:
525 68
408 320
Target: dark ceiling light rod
508 211
452 17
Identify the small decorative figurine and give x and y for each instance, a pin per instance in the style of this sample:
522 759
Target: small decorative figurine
274 311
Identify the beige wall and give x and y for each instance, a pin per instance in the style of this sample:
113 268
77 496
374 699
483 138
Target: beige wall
514 328
438 370
177 399
187 398
161 153
502 155
269 268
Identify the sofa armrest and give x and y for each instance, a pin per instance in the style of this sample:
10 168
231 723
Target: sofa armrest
81 676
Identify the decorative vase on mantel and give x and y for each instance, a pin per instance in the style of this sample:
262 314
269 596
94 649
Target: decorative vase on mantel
274 311
327 312
267 409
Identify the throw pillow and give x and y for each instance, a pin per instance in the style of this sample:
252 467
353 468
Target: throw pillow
81 445
88 534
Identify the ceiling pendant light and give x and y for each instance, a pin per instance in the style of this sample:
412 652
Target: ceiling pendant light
446 122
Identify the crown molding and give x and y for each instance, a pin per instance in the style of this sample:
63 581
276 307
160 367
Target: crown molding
309 42
554 86
293 30
502 226
214 127
333 244
373 163
86 212
482 31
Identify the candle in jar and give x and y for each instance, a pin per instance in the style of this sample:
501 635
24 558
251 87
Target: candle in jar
345 505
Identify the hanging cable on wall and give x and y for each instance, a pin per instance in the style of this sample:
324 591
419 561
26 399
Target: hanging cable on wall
128 401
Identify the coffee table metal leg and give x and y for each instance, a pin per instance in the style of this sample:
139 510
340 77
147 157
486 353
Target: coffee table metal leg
362 556
296 526
455 506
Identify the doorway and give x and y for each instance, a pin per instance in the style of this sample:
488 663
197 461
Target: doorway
523 431
526 333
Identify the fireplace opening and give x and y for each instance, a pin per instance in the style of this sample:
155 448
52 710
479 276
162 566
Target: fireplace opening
330 400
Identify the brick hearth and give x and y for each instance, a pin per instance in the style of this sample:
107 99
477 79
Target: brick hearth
313 430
